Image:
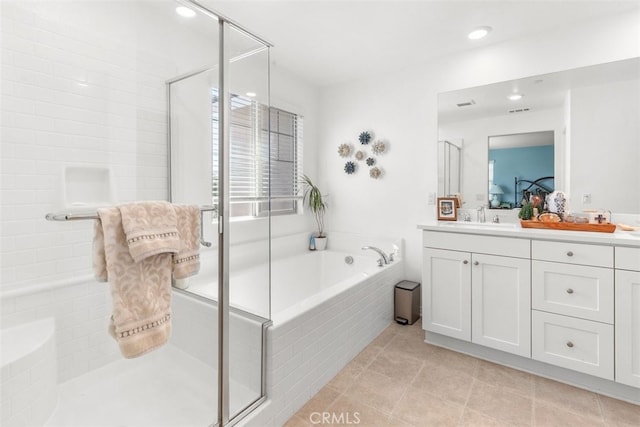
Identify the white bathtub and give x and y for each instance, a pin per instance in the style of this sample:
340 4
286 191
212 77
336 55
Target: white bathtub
28 384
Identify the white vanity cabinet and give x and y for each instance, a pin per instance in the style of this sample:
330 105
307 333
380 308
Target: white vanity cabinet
477 288
627 316
573 310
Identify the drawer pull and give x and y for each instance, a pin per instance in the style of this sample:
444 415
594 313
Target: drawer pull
476 263
569 291
569 344
570 253
465 262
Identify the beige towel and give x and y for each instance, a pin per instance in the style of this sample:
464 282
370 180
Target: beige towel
141 291
186 262
151 228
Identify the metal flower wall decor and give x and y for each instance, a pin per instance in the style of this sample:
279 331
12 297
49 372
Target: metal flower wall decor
378 148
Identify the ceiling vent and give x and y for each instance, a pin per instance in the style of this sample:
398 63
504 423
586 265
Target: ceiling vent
519 110
466 103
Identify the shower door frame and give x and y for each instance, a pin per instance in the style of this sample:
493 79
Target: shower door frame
224 25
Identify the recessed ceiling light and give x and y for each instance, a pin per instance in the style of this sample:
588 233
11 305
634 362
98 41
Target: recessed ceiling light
515 96
479 33
251 94
185 11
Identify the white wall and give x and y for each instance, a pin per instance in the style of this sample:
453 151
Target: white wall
402 107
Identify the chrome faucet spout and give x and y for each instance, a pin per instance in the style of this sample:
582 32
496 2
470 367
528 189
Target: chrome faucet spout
384 256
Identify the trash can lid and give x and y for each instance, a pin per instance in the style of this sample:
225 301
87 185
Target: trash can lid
407 285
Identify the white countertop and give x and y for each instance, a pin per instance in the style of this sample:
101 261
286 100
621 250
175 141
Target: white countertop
617 238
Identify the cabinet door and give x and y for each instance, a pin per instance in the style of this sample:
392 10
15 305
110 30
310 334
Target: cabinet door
501 303
627 327
446 293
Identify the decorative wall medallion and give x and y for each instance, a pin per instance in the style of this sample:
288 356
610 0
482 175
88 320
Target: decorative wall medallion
360 155
349 167
375 173
344 150
379 147
371 161
364 138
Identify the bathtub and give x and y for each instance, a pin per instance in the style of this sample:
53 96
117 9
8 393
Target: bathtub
28 384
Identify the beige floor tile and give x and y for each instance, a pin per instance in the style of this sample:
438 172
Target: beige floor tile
349 411
397 422
366 356
502 376
318 403
442 381
471 418
346 377
568 397
421 409
384 338
619 413
396 365
455 361
296 421
377 390
549 415
500 404
410 345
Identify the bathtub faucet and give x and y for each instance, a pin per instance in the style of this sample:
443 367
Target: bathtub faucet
384 256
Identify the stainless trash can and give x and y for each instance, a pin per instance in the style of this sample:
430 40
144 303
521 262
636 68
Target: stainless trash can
407 302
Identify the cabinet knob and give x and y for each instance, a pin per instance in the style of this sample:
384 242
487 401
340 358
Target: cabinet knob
569 291
569 344
476 263
570 253
465 262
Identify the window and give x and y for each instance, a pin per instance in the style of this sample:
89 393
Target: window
254 128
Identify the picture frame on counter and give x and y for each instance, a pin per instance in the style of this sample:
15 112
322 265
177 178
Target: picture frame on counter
447 209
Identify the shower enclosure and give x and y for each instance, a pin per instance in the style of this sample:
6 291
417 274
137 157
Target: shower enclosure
219 155
112 102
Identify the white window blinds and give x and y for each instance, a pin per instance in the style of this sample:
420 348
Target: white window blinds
265 147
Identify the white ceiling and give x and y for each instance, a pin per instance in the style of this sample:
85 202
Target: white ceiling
328 42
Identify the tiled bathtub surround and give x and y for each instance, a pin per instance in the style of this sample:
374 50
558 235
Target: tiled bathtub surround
398 380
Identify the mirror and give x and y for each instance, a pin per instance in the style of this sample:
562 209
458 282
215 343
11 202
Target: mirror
592 113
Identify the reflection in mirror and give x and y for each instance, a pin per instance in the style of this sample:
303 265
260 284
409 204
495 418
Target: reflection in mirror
449 167
593 115
520 165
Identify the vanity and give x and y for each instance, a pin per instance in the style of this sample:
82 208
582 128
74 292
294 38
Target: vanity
560 304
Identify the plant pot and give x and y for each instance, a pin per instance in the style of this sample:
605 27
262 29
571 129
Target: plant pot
321 243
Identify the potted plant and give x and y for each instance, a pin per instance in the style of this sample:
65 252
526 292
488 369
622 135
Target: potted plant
313 198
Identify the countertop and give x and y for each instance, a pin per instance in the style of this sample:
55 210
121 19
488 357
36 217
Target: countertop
617 238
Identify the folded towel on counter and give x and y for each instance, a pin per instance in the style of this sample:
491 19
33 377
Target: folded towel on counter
186 262
150 228
141 291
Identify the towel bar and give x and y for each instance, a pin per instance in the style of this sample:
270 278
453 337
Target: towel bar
82 216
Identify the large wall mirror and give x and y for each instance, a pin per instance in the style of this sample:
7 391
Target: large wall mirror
576 131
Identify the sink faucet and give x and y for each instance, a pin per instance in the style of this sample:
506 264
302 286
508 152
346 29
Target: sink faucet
384 256
481 214
467 217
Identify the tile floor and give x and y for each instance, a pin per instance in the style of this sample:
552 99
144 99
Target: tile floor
398 381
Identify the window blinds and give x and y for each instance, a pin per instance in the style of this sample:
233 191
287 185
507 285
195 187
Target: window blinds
265 157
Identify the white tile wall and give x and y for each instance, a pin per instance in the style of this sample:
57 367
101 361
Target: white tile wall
73 96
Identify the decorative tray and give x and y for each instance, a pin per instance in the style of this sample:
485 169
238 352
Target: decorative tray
571 226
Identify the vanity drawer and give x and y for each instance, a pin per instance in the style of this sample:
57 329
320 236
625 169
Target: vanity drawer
577 344
572 253
628 258
573 290
504 246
